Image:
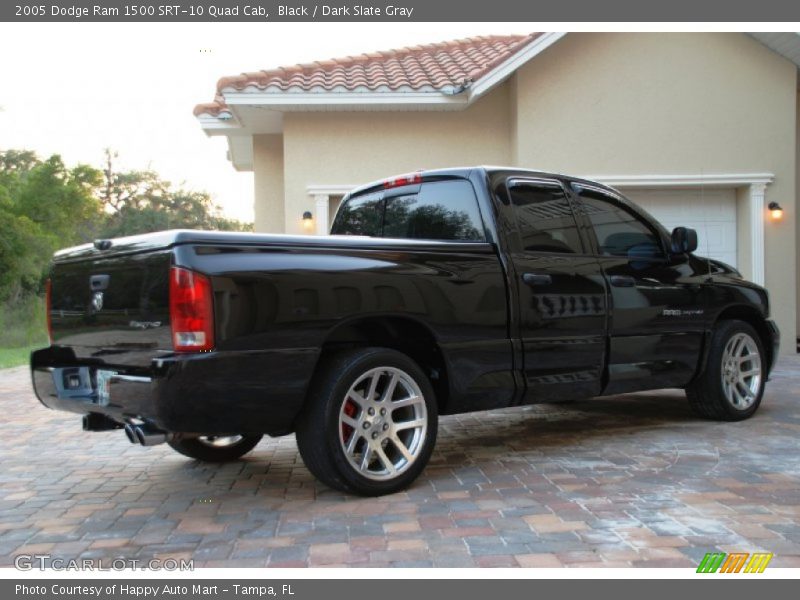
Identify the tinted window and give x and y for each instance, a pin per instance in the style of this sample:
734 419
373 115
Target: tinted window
362 215
544 218
443 210
619 231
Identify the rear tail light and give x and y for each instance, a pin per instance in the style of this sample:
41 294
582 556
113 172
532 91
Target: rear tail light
401 180
191 311
48 303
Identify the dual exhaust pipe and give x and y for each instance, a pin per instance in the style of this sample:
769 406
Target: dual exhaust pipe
142 433
146 435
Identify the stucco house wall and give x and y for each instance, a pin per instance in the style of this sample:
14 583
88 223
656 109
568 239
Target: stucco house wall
268 168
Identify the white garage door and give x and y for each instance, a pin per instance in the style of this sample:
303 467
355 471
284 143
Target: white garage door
712 214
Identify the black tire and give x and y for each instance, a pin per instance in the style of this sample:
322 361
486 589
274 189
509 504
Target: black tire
707 393
204 449
322 433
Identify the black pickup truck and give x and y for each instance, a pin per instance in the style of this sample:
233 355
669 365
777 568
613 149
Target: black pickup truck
438 292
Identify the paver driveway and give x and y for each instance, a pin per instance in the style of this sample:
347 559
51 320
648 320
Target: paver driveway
631 480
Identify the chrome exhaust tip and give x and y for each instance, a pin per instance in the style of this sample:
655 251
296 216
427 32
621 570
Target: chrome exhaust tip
131 435
148 436
145 434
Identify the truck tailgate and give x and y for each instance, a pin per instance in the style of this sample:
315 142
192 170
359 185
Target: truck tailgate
112 309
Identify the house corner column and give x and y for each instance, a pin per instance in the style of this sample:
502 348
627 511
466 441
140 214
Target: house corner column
322 204
757 252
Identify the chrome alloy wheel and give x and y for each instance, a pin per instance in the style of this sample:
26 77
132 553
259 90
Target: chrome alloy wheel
219 441
741 371
383 422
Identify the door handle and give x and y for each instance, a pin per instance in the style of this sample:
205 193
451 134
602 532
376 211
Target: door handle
537 278
622 281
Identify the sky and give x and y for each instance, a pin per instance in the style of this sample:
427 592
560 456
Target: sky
77 88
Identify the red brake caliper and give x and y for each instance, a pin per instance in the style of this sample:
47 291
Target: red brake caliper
350 411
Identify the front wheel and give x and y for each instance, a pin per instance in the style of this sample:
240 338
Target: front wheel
370 422
732 384
215 448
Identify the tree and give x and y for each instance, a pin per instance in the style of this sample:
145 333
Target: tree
17 161
140 202
61 201
43 206
24 253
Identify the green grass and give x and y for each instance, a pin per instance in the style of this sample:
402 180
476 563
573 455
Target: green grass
23 327
15 357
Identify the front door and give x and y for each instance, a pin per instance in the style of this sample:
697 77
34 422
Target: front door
561 292
657 300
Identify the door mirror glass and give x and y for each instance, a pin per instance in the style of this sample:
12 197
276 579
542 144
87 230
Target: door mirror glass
684 240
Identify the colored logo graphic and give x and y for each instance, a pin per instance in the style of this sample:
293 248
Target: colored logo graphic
737 562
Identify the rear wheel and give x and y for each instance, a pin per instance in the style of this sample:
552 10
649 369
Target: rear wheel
732 385
369 426
216 448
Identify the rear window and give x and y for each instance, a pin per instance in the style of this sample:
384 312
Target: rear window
362 215
442 210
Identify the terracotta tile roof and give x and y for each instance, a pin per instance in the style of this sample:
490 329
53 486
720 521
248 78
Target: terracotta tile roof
431 67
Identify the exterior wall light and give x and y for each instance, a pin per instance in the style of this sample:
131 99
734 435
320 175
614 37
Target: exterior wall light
308 220
775 211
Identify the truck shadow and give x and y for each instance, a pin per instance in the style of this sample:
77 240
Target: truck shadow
560 424
642 424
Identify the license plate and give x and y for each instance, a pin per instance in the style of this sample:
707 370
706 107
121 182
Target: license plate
103 380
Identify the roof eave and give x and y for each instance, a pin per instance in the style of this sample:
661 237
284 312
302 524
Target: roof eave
321 100
221 124
292 100
784 43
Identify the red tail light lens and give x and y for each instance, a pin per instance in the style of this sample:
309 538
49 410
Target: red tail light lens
401 180
48 302
191 311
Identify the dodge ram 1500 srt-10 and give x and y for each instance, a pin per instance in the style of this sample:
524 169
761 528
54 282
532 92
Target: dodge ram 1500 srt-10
437 292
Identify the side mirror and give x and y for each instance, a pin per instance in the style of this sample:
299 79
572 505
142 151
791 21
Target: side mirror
684 240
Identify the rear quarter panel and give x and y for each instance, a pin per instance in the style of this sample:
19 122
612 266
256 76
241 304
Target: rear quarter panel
281 304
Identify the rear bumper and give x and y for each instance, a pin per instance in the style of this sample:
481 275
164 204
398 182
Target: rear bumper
218 392
75 389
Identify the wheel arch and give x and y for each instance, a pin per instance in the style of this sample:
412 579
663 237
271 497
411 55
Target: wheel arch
404 334
752 316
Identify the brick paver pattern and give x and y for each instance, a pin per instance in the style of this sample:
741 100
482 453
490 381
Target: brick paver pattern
633 480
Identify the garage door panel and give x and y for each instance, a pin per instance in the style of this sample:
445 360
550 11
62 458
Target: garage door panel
728 258
711 212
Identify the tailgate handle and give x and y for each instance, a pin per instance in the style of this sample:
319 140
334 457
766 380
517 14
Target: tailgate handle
99 282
